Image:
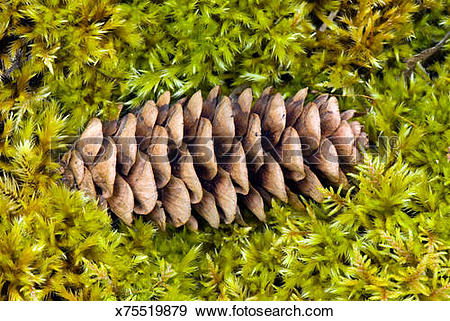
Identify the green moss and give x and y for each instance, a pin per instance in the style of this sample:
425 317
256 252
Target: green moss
61 62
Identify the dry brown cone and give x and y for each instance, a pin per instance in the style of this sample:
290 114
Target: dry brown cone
196 161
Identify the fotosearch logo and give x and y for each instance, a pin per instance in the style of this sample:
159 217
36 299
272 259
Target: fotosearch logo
202 150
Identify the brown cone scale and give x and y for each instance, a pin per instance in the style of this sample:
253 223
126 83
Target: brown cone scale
308 128
209 105
176 202
104 169
90 141
146 119
330 118
325 160
255 203
143 185
163 108
121 202
207 209
294 201
192 114
310 186
158 152
175 125
87 184
241 111
76 165
192 224
271 178
274 120
125 139
294 106
223 190
158 216
202 151
252 144
260 105
289 152
344 142
223 129
236 166
184 169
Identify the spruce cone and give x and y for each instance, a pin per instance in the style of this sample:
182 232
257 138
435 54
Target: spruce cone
204 158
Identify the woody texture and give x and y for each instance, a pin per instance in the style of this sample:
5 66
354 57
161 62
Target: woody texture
178 161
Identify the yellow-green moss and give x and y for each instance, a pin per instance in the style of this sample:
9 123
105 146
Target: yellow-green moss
62 62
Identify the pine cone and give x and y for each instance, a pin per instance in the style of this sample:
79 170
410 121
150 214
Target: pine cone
204 158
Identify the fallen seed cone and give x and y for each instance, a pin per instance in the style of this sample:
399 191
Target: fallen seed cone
196 161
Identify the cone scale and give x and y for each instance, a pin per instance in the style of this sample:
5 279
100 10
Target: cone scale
210 158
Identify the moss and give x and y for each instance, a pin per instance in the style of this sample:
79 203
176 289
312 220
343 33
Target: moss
62 62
